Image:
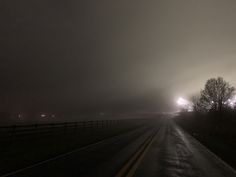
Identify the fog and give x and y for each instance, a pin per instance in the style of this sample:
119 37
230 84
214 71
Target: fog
77 57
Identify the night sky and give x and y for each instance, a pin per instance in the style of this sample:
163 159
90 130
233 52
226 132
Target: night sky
112 56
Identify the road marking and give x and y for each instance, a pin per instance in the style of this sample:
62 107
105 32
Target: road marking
129 169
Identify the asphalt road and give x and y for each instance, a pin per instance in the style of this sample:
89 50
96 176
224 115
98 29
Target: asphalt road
161 150
175 153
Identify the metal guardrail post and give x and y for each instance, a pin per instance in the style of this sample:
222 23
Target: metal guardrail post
65 126
75 125
37 130
12 133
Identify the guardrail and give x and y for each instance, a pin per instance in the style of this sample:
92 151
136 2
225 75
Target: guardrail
16 132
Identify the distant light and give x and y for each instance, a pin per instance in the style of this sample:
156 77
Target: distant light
190 109
19 116
43 115
53 115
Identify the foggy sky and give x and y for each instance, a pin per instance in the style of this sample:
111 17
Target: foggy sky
114 56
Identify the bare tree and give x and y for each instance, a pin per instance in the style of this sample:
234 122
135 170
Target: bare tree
214 96
195 100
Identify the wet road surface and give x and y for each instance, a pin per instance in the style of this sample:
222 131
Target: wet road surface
176 154
160 150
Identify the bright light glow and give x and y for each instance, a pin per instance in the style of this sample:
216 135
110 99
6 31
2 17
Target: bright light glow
182 102
185 104
231 102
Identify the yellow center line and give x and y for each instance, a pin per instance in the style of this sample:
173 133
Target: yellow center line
139 160
131 166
